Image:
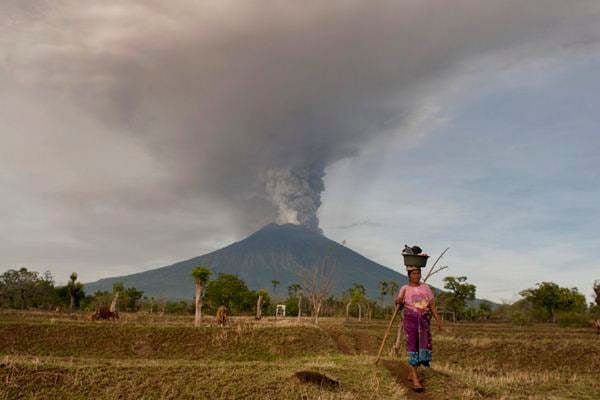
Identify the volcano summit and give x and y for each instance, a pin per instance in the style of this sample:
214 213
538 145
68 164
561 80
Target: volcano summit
274 252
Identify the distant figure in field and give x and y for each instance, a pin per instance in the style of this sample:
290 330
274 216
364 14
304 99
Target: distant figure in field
222 315
104 313
418 302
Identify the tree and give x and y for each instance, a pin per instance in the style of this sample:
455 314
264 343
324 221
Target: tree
347 298
275 283
230 291
485 311
358 297
597 292
259 302
295 291
201 276
393 290
101 299
132 296
370 305
384 289
118 288
355 295
552 298
23 289
73 289
460 293
317 283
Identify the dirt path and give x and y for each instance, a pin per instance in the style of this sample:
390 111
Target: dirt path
399 370
362 340
341 344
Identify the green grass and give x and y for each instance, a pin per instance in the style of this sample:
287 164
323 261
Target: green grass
50 355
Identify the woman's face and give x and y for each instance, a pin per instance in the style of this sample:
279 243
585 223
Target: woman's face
415 276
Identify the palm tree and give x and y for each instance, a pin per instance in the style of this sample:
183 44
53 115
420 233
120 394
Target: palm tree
72 288
275 283
383 290
295 290
201 276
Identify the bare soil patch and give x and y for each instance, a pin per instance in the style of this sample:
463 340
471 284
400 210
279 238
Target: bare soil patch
399 371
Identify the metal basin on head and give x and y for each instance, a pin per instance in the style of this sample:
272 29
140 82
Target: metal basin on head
415 260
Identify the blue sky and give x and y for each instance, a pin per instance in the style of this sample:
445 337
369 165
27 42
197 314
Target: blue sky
506 175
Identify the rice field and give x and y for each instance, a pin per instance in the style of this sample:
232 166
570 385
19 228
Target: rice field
142 356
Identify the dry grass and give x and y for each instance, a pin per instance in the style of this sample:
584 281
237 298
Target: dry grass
534 362
47 355
61 356
87 378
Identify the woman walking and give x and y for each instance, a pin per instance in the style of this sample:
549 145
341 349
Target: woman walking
418 302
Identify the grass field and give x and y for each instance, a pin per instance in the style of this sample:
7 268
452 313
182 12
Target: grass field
47 355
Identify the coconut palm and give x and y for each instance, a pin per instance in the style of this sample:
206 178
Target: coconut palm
383 290
275 283
201 276
295 290
72 288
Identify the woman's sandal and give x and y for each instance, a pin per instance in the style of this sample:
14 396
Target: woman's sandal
418 389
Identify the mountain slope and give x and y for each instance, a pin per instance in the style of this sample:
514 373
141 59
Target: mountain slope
273 252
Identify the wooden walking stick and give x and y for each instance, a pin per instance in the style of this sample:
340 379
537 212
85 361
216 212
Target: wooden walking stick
387 333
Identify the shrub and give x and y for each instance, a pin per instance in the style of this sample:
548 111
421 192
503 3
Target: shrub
573 319
518 318
179 307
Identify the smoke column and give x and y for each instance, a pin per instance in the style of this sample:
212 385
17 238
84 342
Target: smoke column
296 192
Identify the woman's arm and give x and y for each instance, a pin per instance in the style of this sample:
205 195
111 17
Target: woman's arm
435 314
399 301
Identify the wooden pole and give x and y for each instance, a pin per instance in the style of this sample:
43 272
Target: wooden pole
387 333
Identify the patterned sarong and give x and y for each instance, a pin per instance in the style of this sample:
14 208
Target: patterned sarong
418 337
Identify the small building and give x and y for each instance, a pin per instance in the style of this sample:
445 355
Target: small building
280 310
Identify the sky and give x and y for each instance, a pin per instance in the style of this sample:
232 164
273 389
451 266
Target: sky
137 134
508 178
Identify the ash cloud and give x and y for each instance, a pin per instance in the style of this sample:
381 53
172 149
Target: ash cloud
232 111
296 192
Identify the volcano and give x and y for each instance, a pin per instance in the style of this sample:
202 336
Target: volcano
275 252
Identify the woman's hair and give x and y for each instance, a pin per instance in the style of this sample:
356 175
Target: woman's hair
413 270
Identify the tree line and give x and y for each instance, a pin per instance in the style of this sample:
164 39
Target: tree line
546 302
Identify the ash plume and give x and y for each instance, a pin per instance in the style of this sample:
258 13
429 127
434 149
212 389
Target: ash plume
296 192
232 111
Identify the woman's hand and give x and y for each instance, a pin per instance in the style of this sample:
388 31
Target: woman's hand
439 325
